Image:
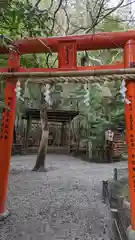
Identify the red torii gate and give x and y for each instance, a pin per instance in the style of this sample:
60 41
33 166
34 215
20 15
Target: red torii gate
67 48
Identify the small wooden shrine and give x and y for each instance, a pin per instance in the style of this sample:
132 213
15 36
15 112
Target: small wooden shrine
59 122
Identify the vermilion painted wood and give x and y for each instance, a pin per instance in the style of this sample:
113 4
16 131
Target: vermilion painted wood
94 41
67 55
6 134
102 67
129 59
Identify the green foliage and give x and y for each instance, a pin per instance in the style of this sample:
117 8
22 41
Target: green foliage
20 19
112 23
94 119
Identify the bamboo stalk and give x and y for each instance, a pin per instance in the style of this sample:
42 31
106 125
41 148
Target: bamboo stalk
74 73
72 76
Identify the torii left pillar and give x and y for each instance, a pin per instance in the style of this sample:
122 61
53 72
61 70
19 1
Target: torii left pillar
6 134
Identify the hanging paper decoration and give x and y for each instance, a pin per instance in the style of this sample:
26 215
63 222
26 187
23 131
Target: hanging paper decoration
18 91
47 94
123 90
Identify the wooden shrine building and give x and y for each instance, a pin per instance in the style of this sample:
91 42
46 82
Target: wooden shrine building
59 120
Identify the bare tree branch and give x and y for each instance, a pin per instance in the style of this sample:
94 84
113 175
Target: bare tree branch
68 20
98 19
54 15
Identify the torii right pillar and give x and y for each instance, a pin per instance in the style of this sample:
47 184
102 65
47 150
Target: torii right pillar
129 62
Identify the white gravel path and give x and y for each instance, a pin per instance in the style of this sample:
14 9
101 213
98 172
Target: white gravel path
64 203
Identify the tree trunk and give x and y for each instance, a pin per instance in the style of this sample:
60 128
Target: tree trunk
14 135
42 151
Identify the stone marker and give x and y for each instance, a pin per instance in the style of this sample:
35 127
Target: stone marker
130 233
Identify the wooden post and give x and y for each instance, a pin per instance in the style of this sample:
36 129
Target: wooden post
129 60
115 228
115 174
28 128
24 132
6 134
69 136
62 133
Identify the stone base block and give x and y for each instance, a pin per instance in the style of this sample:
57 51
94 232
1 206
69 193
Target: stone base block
4 215
130 233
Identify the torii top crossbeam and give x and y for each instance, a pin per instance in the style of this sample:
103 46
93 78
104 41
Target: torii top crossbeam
83 42
67 48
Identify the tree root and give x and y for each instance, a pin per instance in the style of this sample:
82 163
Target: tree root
41 169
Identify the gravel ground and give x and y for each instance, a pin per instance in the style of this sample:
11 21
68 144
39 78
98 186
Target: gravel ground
64 203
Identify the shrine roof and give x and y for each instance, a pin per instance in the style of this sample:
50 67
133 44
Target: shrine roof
53 115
